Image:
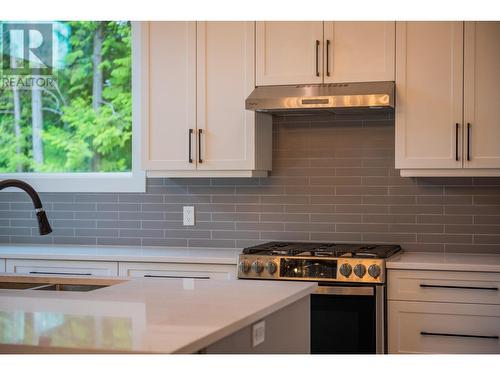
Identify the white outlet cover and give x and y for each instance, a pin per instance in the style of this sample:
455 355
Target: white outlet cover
258 333
188 215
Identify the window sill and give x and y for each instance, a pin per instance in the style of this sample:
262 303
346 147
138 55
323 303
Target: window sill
131 182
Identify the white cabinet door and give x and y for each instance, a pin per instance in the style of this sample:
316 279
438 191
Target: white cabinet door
225 77
359 51
289 53
442 328
61 267
178 270
2 265
171 96
482 95
429 92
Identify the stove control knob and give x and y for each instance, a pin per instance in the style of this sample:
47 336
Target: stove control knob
359 270
374 271
271 267
257 267
345 269
244 266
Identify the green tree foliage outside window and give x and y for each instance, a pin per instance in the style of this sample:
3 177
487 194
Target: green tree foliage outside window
85 123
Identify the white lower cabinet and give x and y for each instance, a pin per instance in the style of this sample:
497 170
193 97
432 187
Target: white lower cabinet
123 269
61 267
446 328
178 270
443 312
444 286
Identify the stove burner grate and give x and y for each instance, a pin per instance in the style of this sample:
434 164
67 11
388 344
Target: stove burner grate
311 249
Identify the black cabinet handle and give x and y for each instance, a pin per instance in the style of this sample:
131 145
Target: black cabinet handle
179 277
458 287
457 335
190 159
317 58
468 141
457 127
200 160
328 57
59 273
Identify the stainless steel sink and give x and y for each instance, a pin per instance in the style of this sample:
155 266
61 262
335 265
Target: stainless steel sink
63 284
71 287
19 285
45 286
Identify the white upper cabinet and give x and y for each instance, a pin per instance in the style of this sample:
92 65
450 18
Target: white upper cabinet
289 53
226 76
482 95
172 95
447 95
324 52
200 74
429 85
359 51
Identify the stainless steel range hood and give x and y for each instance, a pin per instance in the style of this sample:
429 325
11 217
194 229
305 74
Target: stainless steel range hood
326 97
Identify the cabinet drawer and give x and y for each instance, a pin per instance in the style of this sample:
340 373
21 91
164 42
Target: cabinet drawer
447 328
61 267
443 286
178 270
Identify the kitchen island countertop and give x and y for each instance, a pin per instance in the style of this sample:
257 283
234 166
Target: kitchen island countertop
139 315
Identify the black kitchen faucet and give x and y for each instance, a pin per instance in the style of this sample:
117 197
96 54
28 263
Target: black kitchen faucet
43 222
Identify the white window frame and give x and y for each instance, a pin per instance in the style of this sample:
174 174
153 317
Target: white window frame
100 182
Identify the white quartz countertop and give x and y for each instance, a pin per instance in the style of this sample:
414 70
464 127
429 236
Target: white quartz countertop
140 315
122 254
445 262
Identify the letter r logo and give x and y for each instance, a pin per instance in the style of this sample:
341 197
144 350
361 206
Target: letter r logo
27 48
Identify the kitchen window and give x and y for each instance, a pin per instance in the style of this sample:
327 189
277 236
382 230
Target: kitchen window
69 112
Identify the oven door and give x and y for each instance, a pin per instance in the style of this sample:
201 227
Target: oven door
348 319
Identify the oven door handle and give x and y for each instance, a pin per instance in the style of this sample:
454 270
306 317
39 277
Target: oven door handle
345 290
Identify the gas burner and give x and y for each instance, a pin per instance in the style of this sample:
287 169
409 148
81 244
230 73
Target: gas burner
279 252
315 253
367 255
319 253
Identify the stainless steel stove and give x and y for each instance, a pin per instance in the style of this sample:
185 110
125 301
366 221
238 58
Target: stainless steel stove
348 306
327 262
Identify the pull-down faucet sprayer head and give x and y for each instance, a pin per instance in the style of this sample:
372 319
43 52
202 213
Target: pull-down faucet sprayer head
43 222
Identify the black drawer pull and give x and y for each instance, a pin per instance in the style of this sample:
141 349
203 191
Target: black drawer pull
59 273
179 277
458 335
457 127
458 287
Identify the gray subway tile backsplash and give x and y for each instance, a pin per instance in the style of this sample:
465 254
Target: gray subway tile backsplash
333 179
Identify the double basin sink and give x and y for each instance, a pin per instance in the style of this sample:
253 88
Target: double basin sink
55 284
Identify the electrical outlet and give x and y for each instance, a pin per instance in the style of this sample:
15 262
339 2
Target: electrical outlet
188 215
258 333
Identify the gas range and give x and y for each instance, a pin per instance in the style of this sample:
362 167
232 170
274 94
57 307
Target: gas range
326 262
